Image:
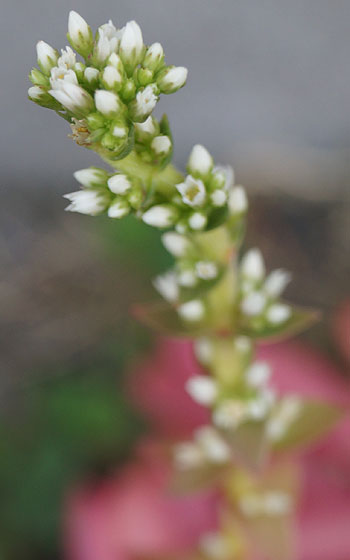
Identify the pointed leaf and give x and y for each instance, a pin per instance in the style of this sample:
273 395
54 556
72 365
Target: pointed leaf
249 444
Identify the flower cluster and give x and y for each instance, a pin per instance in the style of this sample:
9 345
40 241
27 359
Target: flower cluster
259 294
117 84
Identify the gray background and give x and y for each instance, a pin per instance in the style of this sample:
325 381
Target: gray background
265 76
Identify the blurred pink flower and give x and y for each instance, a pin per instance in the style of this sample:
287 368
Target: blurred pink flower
132 514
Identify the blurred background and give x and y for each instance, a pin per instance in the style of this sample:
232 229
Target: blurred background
268 92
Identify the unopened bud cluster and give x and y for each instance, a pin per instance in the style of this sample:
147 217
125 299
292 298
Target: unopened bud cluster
116 84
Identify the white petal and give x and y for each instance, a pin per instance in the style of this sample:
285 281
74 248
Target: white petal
175 243
276 282
202 389
167 286
76 26
193 310
278 313
253 304
161 216
252 265
119 183
237 201
200 160
107 102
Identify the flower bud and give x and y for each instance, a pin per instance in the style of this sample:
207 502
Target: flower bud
38 78
197 221
115 61
95 121
107 102
252 265
91 75
79 34
175 243
237 200
161 145
200 161
193 310
119 183
203 389
91 176
144 131
47 56
276 282
144 76
161 215
111 78
39 95
74 98
118 209
172 78
218 197
144 103
154 57
89 202
131 46
166 285
278 313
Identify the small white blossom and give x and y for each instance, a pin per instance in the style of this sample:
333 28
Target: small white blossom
202 389
203 349
258 374
68 58
119 183
154 57
230 414
86 202
36 92
214 546
172 79
252 265
166 284
213 445
278 313
118 209
218 197
192 191
107 42
197 221
237 201
90 177
253 304
131 44
47 56
200 160
175 243
73 97
111 77
79 32
225 175
161 216
206 270
276 282
193 310
60 75
161 145
144 103
91 74
187 278
107 102
188 455
146 128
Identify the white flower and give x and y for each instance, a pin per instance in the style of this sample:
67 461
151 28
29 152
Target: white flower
202 389
253 304
36 92
203 349
197 221
107 42
276 282
131 44
111 77
172 79
91 74
258 374
218 197
112 34
166 285
86 202
161 215
73 97
47 56
230 413
200 160
90 177
192 191
187 278
146 128
154 57
188 455
59 74
119 183
193 310
68 58
278 313
80 133
176 244
144 103
252 265
118 209
237 200
79 32
213 445
225 175
115 60
107 102
161 145
206 270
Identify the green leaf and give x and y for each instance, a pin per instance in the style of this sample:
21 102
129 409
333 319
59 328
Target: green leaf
314 421
300 320
249 444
